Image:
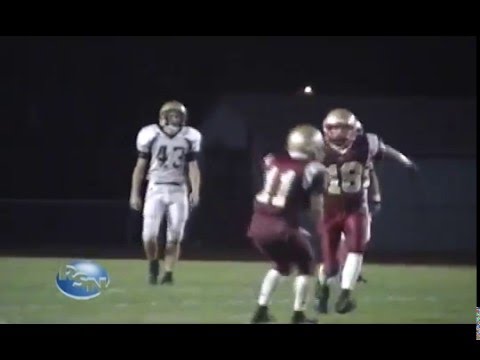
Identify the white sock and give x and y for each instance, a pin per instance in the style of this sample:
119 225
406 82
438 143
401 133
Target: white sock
351 270
322 278
268 287
300 288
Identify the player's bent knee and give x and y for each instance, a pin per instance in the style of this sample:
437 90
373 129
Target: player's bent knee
173 240
149 237
150 229
174 237
283 269
172 244
331 270
306 268
305 262
148 242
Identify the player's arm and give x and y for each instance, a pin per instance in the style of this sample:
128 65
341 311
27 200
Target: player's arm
380 150
138 176
316 206
391 153
313 180
195 180
374 193
144 139
194 173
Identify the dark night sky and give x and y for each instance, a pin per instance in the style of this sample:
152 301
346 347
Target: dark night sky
190 65
67 99
46 78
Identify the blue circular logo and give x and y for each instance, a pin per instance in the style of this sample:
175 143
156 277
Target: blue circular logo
82 280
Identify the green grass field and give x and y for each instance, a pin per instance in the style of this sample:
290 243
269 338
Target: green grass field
225 292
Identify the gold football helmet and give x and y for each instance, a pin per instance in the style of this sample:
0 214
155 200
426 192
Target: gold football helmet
340 129
305 139
172 116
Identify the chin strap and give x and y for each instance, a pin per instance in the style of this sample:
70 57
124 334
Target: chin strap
170 129
340 149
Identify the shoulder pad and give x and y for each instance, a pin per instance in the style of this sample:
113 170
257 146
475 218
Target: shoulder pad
195 137
145 137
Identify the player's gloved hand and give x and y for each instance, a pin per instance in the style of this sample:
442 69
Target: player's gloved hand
136 202
194 198
375 207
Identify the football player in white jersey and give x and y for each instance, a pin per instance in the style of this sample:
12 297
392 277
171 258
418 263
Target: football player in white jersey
167 152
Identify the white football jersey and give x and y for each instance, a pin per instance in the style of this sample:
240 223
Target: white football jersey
168 155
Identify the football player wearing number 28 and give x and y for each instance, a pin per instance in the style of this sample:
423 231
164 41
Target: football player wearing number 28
291 179
347 157
167 151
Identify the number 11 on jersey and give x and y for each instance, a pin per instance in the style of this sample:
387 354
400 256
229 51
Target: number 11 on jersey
276 187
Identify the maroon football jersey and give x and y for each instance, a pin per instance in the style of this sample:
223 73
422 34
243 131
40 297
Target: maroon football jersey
288 182
348 174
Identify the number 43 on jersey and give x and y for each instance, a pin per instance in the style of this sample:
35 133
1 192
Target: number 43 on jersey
178 155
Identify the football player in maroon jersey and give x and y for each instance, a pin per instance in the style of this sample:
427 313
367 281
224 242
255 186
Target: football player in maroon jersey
347 156
372 185
291 182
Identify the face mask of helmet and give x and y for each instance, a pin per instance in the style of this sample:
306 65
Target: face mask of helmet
340 137
172 122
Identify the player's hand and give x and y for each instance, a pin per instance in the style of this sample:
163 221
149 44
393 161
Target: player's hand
194 198
413 168
375 207
136 202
